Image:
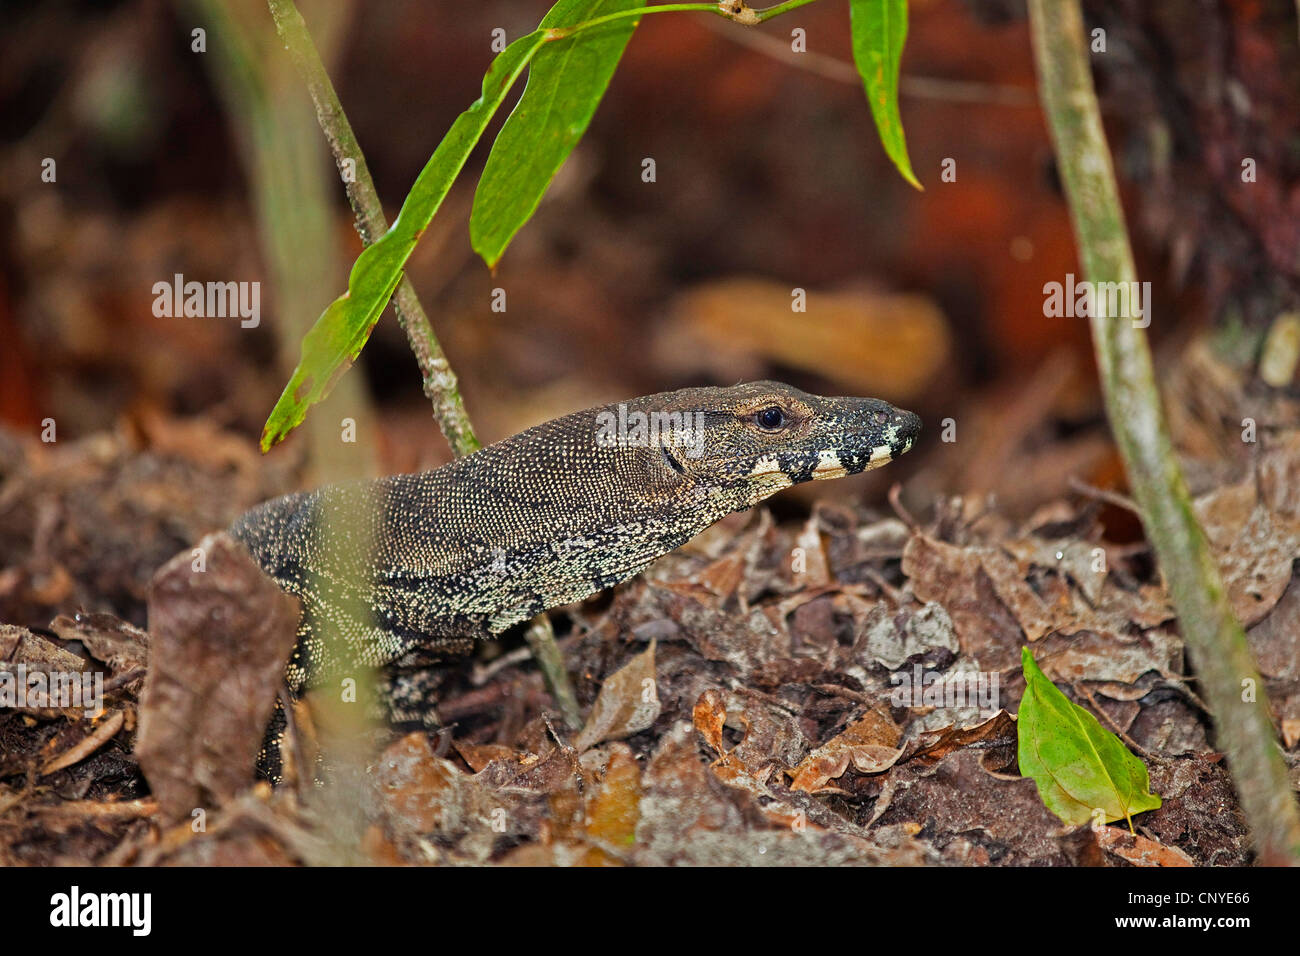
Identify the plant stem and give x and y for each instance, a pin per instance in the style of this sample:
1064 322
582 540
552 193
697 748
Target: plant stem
550 661
1214 638
437 378
767 13
736 10
275 129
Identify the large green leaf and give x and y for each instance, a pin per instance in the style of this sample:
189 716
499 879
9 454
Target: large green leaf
334 342
1078 765
879 29
566 81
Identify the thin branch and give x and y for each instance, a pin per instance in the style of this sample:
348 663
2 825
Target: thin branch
437 378
1102 494
550 660
439 381
767 13
842 71
1216 642
738 11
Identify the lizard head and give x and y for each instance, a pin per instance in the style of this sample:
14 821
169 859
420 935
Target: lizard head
757 438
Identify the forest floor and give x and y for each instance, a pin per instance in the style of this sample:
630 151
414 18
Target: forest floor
837 689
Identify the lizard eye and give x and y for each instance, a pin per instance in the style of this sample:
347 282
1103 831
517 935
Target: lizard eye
881 417
770 418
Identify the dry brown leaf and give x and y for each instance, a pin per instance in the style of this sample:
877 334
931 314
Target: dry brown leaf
220 640
953 577
1000 729
961 579
1097 657
108 639
870 342
870 744
891 636
613 808
479 756
414 782
628 703
1008 576
1139 850
1255 547
709 715
813 569
42 668
1276 639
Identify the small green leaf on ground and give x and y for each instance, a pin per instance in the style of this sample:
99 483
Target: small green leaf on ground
566 81
333 343
879 29
1079 766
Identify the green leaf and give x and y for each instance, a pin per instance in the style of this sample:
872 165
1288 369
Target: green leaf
879 28
566 81
333 343
1078 765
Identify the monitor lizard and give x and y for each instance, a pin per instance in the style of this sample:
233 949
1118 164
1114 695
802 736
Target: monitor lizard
415 566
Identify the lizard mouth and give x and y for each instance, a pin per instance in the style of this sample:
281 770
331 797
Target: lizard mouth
877 448
831 463
829 466
872 447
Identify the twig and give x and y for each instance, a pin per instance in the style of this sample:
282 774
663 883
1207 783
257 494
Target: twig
896 502
888 590
842 71
788 706
1081 487
834 690
1214 638
541 638
437 377
737 11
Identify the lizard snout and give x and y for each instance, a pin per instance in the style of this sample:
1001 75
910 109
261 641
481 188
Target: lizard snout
907 426
888 432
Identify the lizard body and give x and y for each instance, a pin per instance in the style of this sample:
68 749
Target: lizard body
412 564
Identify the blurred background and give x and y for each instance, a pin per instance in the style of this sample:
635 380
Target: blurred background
768 177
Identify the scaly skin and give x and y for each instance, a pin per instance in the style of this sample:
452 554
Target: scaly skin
413 565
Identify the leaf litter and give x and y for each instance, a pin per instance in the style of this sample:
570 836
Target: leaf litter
771 694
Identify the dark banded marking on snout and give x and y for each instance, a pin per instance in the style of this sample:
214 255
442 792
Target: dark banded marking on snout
828 465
